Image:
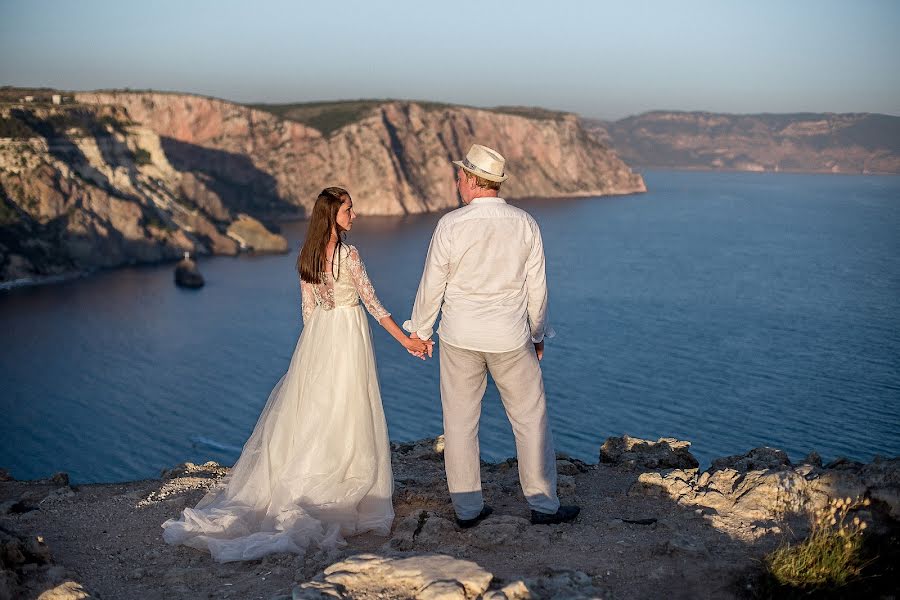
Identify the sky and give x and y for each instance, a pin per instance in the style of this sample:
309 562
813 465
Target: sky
600 59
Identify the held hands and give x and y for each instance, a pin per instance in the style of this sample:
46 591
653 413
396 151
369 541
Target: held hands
539 350
418 347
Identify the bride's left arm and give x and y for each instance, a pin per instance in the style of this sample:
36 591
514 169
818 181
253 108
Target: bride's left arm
366 292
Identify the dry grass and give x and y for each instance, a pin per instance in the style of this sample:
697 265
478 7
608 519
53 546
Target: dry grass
833 554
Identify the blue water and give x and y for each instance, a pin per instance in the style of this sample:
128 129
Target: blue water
733 310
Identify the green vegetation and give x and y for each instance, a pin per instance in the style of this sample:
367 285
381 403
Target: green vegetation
830 559
11 94
15 128
115 123
328 117
58 122
8 213
532 112
142 157
151 219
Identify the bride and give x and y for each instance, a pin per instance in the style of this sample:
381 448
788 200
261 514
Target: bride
317 466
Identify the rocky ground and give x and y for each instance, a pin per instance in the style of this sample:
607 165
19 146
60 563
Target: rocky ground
651 526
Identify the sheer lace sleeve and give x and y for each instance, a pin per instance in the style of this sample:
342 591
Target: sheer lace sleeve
364 286
308 297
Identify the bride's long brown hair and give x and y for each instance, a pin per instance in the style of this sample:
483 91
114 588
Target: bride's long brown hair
311 261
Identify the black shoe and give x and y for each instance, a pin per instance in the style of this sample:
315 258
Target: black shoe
484 514
563 515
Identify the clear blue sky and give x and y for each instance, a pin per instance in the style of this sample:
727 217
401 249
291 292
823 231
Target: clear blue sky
600 59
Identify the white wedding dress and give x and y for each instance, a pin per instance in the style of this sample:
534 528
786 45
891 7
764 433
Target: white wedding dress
317 466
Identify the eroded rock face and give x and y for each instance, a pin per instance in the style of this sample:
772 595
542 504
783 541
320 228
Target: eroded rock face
91 189
754 460
394 160
665 453
755 491
124 178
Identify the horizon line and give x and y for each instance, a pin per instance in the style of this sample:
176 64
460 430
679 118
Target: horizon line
421 101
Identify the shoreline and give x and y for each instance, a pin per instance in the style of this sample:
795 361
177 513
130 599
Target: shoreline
27 282
793 458
37 281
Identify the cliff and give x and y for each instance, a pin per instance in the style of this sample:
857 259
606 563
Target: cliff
394 157
113 178
652 524
805 142
86 187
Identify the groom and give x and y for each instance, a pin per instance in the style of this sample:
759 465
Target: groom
485 272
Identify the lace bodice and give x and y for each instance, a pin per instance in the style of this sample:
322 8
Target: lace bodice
349 287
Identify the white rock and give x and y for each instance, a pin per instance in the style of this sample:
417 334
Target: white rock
443 590
68 590
368 571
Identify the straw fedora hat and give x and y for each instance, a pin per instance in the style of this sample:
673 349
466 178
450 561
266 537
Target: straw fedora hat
484 162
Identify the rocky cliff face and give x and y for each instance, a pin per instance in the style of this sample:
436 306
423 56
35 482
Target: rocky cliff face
120 177
394 159
827 143
86 187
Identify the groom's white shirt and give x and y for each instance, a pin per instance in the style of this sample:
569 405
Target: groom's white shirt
485 265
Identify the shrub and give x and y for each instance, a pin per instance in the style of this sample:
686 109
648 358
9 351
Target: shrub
142 157
12 127
831 557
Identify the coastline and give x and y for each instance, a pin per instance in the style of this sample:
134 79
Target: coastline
650 521
46 280
35 281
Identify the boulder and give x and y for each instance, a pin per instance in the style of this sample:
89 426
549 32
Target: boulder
187 275
665 453
554 584
428 448
755 460
68 590
27 570
60 478
424 577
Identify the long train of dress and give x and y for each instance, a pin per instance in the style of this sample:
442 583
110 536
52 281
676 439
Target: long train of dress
317 465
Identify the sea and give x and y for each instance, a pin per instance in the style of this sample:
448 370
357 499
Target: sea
733 310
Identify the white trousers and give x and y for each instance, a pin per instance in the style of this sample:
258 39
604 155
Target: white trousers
518 378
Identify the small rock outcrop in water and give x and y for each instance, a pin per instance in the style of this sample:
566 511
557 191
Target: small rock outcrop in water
186 273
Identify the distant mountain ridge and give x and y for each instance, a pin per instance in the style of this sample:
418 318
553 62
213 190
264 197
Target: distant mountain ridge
806 142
